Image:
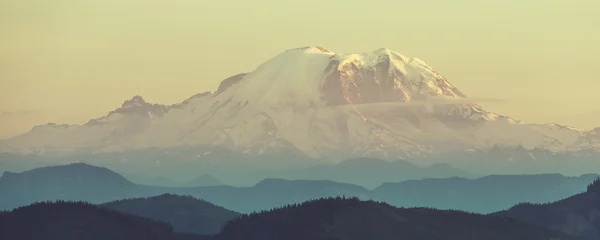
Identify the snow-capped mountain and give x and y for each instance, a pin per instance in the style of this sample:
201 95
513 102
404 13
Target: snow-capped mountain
323 104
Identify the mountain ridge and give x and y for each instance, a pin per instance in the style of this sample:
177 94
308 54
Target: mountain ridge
79 220
576 215
353 219
185 213
337 218
77 183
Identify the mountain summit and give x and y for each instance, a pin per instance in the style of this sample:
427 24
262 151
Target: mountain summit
316 102
316 77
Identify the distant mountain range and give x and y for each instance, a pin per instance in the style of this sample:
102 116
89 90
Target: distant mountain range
370 172
185 213
482 195
81 182
366 172
311 102
578 215
301 209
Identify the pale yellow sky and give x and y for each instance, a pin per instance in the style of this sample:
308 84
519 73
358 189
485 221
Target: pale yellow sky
67 61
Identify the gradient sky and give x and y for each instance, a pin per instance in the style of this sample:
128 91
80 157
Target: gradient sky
67 61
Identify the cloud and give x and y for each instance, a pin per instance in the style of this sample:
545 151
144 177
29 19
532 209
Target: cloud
442 101
434 101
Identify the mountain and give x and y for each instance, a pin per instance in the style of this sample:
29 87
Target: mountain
352 219
185 213
577 215
314 102
371 172
77 221
79 182
482 195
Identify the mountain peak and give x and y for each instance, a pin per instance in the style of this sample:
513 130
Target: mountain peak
135 101
137 104
315 76
388 52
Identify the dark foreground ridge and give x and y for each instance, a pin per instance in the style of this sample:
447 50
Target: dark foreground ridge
352 219
578 215
323 219
185 213
80 221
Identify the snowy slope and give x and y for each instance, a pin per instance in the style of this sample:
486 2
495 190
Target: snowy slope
313 100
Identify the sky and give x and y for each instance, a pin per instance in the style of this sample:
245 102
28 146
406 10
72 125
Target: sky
67 61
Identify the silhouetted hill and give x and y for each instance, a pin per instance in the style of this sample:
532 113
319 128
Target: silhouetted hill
185 213
578 215
372 172
483 195
352 219
80 221
78 181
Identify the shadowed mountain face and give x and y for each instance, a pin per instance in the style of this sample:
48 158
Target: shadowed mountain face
352 219
186 214
578 215
482 195
488 194
77 221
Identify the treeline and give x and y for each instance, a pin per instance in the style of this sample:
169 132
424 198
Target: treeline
66 220
350 218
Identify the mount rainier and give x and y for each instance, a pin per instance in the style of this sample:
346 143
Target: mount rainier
314 102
